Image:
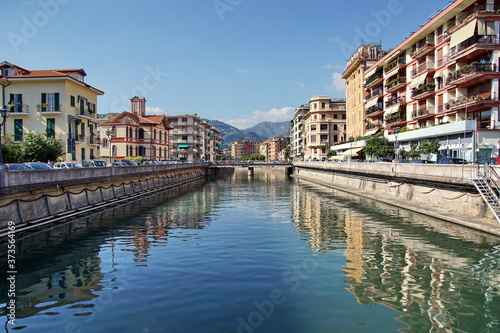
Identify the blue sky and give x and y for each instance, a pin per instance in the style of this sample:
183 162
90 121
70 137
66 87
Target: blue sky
238 61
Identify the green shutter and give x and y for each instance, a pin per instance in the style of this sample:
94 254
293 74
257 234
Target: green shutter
44 102
18 130
56 101
72 100
51 127
11 101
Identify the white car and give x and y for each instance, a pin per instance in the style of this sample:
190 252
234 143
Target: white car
66 165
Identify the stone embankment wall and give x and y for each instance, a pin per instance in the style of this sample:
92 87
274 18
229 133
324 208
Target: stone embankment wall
462 201
58 203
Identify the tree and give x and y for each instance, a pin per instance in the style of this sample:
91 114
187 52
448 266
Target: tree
11 152
430 147
378 147
331 153
414 151
38 147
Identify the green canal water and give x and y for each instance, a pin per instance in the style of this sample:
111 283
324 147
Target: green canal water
255 254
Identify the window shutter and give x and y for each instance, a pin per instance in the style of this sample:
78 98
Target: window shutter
11 101
56 102
44 102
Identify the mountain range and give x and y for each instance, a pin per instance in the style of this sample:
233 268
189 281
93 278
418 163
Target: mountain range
260 132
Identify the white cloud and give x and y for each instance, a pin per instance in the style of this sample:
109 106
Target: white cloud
300 84
273 115
240 70
337 83
330 66
155 111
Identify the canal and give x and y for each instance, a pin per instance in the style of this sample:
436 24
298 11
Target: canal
254 254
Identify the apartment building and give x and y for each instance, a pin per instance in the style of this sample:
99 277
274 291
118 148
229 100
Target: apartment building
193 139
324 126
442 83
56 102
244 147
133 134
365 57
277 146
297 132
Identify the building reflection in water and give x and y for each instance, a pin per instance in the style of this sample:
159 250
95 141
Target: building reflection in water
83 251
408 262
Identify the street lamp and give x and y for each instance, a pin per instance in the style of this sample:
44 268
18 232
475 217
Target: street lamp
396 131
110 133
4 112
351 140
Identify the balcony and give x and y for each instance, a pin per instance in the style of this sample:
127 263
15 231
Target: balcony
394 65
395 84
425 67
422 114
376 92
472 73
471 47
374 111
18 108
473 102
374 80
424 91
84 113
394 101
49 108
422 50
395 118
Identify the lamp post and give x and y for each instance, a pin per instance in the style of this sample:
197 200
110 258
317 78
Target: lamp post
396 131
4 112
351 140
110 133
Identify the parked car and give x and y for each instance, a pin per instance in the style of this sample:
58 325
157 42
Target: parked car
99 163
452 160
422 161
37 165
383 160
16 166
118 164
66 165
490 160
128 162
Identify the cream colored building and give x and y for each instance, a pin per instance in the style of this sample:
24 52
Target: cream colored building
324 126
442 83
297 132
56 102
135 134
363 58
244 147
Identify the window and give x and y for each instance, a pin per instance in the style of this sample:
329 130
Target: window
83 154
313 127
324 138
18 130
323 116
16 103
50 102
141 135
82 106
334 116
373 53
324 127
51 128
313 138
335 127
72 101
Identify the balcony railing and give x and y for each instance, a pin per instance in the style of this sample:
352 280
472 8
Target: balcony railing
376 92
393 64
394 100
422 49
471 100
395 117
19 108
470 69
48 108
421 113
422 68
428 87
373 109
374 77
395 82
479 39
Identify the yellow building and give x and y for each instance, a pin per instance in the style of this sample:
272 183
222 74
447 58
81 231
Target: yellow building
56 102
363 58
324 126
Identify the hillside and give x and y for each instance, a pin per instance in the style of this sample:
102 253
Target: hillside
260 132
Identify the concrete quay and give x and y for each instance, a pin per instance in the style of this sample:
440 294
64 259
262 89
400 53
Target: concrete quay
440 191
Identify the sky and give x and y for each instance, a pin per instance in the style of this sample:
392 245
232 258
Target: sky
238 61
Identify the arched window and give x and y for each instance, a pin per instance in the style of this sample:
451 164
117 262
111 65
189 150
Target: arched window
141 134
142 151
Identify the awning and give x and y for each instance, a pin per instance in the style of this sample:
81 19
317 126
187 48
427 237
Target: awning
371 103
392 109
372 132
183 145
418 80
351 152
485 28
463 33
371 72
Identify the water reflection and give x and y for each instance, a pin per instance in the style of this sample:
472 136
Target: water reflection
438 275
196 259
